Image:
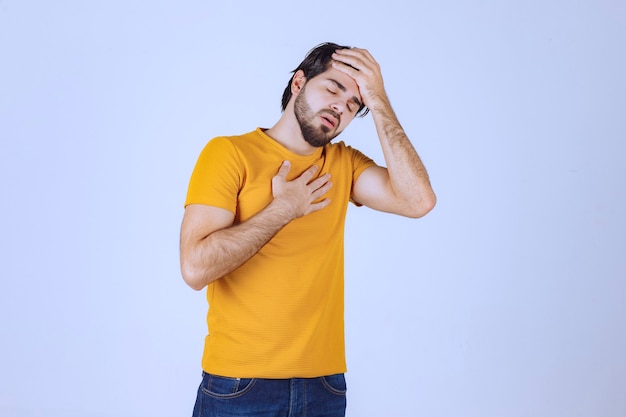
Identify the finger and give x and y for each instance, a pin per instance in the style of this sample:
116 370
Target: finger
348 60
349 51
355 56
353 68
319 182
367 56
319 193
284 169
346 68
319 205
307 175
364 54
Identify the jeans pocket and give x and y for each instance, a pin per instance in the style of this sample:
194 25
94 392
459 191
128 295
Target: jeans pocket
335 384
225 387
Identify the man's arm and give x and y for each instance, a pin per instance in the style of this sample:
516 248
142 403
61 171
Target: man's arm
403 187
211 246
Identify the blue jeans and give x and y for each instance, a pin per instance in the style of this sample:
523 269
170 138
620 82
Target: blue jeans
296 397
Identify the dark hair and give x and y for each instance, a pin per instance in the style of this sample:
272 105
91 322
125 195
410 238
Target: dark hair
317 61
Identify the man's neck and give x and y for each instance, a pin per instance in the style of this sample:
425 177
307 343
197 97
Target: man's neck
287 132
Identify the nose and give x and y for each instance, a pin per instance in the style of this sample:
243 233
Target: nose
338 107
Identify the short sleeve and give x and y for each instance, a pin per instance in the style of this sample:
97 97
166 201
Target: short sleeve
216 178
360 162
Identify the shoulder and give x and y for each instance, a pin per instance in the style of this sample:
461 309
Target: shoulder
225 145
340 148
355 157
231 140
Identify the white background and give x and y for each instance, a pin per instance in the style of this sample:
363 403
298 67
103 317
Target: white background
509 299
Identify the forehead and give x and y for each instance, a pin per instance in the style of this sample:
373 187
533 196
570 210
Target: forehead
339 77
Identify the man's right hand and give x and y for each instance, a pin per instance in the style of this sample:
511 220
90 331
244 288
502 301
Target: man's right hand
211 245
300 196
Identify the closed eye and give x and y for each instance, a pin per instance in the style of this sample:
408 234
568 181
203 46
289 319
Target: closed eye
353 104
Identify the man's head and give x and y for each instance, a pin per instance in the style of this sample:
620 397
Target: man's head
325 99
317 61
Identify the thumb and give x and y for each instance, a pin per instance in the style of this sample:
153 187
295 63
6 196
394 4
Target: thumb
284 170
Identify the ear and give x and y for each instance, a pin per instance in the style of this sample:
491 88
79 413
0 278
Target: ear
298 82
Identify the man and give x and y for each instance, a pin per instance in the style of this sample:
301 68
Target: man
263 229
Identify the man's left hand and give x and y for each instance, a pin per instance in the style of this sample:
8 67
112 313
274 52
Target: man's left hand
363 68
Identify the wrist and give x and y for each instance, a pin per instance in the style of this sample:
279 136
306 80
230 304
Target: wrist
378 102
282 211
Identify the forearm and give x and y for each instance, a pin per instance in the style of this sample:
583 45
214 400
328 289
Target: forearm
224 250
211 246
408 177
406 186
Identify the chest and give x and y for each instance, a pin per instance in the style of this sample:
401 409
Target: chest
255 191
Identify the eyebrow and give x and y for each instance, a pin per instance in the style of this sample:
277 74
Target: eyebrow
355 99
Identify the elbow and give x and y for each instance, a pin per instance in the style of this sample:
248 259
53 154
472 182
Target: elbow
196 286
192 277
422 207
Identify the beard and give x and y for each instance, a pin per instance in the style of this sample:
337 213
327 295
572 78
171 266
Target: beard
314 134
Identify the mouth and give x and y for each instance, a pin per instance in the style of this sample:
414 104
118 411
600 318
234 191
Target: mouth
329 120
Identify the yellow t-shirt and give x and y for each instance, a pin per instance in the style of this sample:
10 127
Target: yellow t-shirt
280 314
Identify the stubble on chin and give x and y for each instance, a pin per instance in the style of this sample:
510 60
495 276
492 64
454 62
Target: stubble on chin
314 135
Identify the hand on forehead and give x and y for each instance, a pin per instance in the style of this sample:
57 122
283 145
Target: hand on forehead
361 66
